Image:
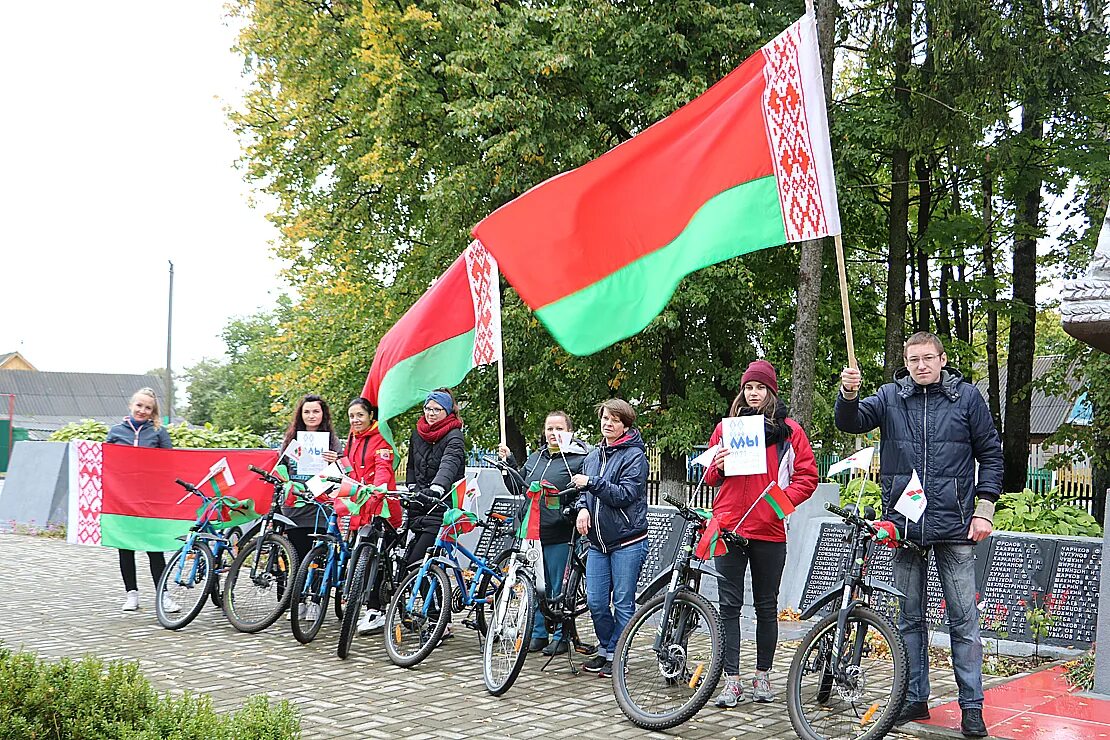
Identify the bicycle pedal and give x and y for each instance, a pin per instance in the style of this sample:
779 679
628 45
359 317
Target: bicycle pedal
470 624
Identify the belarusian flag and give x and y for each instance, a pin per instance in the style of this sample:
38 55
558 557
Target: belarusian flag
779 501
457 522
745 166
453 327
529 528
711 543
456 498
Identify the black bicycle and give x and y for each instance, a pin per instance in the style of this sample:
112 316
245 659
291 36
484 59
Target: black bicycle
670 656
848 678
257 591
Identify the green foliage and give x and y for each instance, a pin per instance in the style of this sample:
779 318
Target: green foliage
209 437
74 700
872 494
1080 672
1050 513
85 429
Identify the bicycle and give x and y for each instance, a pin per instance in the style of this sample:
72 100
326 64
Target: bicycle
379 564
257 588
670 657
193 573
849 675
504 650
423 602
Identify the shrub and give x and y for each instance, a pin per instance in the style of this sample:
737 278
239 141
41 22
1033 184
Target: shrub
85 429
74 700
1049 513
206 437
872 494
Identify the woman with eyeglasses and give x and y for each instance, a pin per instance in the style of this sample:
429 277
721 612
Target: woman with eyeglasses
437 460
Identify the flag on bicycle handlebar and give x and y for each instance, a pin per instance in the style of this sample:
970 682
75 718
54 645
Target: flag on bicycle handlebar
457 522
711 543
529 528
454 327
456 498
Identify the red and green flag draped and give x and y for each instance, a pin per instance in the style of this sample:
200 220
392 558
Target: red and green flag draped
778 500
453 327
529 528
362 500
745 166
711 543
127 497
228 512
457 522
294 489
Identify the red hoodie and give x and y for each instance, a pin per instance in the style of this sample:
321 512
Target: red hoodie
371 460
796 474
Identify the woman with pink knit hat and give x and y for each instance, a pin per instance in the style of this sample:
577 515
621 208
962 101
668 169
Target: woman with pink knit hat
791 464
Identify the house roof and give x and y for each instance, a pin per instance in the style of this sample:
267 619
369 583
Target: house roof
1046 413
48 401
15 358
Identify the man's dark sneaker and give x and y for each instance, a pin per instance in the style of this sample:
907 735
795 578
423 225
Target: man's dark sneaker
606 670
556 648
971 725
595 664
913 710
537 644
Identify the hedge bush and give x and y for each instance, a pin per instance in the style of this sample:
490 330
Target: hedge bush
87 699
206 437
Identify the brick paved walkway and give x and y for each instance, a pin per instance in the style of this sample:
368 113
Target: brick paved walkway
61 600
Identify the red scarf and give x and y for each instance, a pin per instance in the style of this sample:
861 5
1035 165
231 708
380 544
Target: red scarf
432 433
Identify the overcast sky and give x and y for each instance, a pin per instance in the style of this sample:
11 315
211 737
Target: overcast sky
117 157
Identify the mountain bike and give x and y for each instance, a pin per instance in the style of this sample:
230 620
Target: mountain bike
849 675
379 565
193 573
323 570
257 588
423 602
669 658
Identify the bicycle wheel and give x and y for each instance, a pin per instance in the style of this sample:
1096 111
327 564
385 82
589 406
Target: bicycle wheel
856 694
184 584
662 689
356 592
223 562
257 589
411 634
506 643
487 589
311 592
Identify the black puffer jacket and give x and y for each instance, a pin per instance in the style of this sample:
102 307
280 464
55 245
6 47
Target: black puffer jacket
433 469
556 468
617 493
939 430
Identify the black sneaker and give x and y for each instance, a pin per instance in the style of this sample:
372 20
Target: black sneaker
606 670
595 664
537 644
971 724
913 710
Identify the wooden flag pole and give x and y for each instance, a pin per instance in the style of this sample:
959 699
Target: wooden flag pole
843 274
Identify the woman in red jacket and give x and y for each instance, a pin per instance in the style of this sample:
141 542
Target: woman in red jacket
791 464
371 460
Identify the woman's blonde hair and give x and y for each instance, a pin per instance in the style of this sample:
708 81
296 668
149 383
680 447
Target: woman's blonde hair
156 416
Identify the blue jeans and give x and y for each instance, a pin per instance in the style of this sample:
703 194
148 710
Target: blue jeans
611 577
956 568
554 562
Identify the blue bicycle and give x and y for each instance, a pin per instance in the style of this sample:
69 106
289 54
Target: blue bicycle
422 604
323 570
193 573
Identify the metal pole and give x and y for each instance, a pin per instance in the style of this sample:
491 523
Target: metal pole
169 345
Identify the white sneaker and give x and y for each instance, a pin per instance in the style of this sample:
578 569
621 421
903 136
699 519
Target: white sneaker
131 603
371 621
169 606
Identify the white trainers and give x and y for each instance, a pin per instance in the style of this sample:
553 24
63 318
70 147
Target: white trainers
371 621
732 694
131 603
169 606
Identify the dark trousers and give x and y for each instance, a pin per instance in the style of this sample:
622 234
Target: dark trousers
767 559
298 538
127 568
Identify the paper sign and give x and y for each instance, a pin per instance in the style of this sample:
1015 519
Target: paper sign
313 447
564 441
705 459
860 460
911 504
743 438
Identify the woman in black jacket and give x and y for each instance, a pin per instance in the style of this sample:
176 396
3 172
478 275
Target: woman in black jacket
550 463
141 428
312 415
437 460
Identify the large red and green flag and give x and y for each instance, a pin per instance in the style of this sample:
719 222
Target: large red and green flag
453 327
779 501
126 497
745 166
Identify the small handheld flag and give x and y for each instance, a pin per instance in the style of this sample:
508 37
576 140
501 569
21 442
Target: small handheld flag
860 460
911 504
779 501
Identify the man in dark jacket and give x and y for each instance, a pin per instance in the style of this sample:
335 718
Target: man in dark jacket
936 425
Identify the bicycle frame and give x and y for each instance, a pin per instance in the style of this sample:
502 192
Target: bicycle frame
444 553
202 529
338 553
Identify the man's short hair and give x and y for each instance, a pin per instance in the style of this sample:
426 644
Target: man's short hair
924 337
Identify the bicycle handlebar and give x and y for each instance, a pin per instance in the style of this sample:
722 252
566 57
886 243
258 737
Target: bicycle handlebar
186 485
855 519
690 515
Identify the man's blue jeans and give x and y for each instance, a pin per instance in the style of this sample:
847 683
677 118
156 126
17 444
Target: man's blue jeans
611 576
956 567
554 563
